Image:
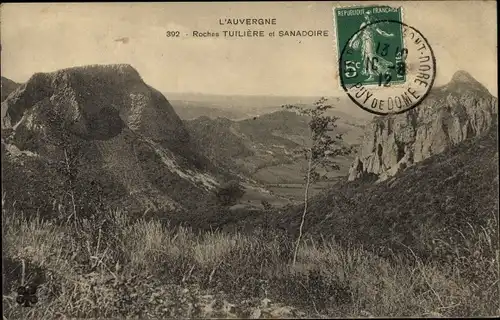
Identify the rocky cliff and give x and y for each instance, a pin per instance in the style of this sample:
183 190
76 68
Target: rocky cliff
103 134
462 109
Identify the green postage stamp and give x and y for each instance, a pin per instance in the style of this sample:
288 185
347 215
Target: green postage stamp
376 50
385 66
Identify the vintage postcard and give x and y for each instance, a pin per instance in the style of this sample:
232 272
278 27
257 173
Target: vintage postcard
249 160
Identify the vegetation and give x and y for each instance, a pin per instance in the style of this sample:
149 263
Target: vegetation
266 205
434 207
229 193
429 255
112 266
320 151
423 243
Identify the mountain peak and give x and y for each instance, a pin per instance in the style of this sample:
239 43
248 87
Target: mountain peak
118 124
94 91
463 76
462 80
114 72
99 70
116 67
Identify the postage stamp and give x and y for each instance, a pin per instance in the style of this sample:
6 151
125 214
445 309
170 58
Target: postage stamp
379 44
385 66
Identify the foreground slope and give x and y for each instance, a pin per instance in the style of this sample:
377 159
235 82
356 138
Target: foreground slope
98 133
447 197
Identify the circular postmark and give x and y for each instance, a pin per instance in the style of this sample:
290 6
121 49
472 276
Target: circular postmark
387 76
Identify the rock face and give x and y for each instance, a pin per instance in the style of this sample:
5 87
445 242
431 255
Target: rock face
103 133
450 114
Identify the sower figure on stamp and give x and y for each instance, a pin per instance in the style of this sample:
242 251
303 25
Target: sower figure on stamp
367 39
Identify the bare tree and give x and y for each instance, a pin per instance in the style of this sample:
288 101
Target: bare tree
324 146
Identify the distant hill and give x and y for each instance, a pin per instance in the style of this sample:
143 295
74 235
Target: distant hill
103 134
261 147
243 103
7 87
188 110
238 107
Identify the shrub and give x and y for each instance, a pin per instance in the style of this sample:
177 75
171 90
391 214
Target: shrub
229 193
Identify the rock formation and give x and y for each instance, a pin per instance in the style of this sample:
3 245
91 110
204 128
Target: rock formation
101 131
462 109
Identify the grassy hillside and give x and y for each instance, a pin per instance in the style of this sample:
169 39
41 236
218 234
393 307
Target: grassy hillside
114 267
434 207
440 257
216 141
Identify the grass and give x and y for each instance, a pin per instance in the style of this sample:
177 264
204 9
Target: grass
434 207
421 244
113 266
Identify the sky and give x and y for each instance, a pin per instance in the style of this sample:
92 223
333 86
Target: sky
46 37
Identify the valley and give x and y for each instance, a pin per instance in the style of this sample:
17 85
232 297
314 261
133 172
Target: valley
264 147
201 200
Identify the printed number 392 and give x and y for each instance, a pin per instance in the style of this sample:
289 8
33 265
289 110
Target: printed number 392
173 33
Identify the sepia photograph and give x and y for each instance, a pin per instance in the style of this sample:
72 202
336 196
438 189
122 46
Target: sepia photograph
249 160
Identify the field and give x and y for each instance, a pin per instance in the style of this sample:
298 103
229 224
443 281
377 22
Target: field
296 191
294 173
